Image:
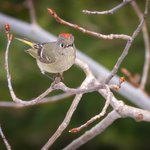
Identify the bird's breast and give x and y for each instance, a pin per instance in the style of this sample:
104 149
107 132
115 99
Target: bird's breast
63 62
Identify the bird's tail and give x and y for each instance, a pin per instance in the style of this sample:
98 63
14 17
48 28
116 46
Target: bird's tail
25 41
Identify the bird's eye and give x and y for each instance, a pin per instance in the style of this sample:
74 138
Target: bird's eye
62 45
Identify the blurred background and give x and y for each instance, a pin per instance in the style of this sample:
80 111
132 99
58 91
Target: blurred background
29 128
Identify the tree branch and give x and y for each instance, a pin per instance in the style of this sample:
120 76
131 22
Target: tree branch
127 47
88 80
120 111
45 100
98 35
30 6
147 46
102 113
90 83
96 130
4 139
38 34
14 97
106 12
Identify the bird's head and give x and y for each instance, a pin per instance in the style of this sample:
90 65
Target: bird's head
65 40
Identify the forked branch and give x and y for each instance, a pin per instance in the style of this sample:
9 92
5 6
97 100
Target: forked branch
147 46
12 93
106 12
90 84
98 35
128 45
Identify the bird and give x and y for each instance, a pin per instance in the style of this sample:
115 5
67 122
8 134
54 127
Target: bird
53 57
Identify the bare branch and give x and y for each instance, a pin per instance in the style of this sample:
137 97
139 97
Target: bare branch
120 111
89 84
102 113
64 124
127 47
111 11
14 97
4 139
51 99
88 80
135 113
96 130
30 6
98 35
147 46
25 29
90 88
125 110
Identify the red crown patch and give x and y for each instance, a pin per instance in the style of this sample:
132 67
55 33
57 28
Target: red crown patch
66 35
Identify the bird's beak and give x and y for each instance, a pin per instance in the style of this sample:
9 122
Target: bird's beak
26 42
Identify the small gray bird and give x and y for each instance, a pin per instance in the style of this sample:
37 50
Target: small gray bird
53 57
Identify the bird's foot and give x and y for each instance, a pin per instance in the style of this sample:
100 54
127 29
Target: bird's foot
57 78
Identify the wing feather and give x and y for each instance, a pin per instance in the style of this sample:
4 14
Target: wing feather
47 54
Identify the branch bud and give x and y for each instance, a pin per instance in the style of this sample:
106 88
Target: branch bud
7 27
74 130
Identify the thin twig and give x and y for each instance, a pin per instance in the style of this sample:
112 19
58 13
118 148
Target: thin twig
4 139
120 111
25 29
32 11
127 47
96 130
45 100
86 84
98 35
91 88
111 11
66 121
147 46
102 113
12 93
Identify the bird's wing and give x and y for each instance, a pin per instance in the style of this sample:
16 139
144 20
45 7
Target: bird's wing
32 52
47 54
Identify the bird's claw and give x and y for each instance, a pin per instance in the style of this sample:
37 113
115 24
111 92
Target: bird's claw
57 79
